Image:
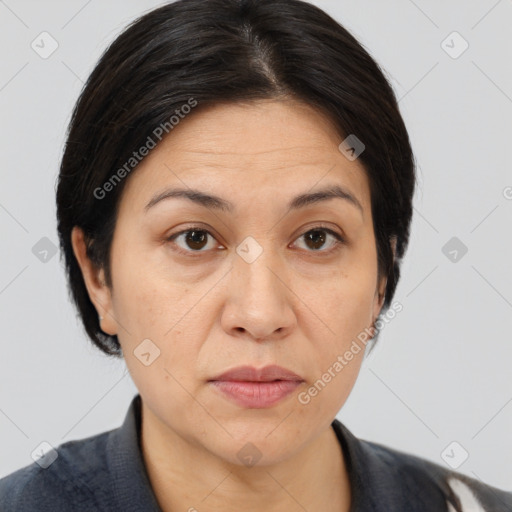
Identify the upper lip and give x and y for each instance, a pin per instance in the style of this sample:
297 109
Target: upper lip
265 374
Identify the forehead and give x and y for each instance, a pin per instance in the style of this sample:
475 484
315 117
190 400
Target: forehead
266 149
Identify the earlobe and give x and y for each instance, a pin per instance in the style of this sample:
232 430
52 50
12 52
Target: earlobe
380 294
94 278
379 297
392 241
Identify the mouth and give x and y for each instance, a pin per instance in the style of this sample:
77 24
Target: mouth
254 388
268 373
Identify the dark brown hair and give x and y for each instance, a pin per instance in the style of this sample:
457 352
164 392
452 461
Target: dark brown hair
225 51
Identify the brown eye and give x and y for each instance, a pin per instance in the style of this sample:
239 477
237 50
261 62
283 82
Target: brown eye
192 240
316 238
196 239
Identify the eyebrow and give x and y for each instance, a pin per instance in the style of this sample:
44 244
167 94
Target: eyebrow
217 203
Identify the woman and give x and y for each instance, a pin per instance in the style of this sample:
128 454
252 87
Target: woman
233 204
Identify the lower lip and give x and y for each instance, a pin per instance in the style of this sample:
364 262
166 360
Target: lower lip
256 395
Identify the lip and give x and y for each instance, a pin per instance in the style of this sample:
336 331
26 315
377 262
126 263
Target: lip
257 388
250 374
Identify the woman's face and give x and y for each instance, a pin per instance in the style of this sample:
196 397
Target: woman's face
255 284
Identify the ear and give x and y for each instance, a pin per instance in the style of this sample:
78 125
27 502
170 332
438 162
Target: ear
94 278
381 289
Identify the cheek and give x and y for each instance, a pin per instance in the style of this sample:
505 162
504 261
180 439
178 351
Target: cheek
338 328
162 313
147 297
152 303
343 302
336 346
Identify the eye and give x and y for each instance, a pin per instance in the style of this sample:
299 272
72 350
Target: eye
316 238
195 239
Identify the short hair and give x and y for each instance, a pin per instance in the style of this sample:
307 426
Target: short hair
225 51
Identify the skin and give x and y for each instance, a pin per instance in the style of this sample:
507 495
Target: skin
299 305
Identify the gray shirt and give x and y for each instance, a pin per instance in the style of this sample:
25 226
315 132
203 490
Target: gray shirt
106 472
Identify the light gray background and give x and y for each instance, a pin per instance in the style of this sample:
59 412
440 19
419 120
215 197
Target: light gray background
441 372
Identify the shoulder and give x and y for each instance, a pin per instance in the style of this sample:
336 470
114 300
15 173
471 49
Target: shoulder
69 477
461 492
384 478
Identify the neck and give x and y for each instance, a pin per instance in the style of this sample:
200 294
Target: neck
186 477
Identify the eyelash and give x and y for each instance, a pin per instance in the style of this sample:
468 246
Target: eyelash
339 240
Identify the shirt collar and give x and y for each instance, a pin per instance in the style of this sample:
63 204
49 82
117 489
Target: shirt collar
384 479
131 487
377 482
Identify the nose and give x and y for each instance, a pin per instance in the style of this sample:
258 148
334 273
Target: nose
260 301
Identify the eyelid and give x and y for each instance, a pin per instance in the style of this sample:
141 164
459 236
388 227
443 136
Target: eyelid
323 227
340 239
193 227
